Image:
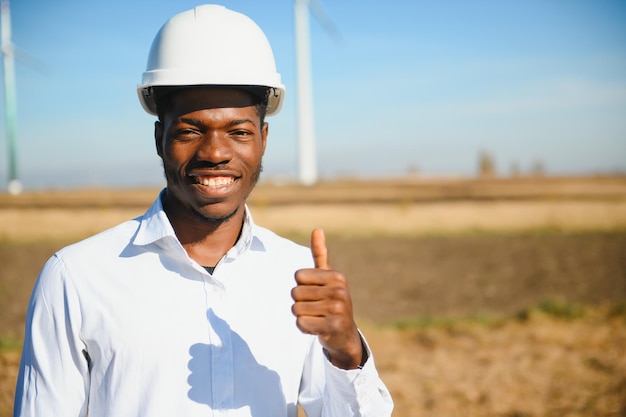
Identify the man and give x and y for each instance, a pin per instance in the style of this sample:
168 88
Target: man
192 309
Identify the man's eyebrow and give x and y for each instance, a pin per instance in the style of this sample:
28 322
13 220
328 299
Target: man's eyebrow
198 123
190 121
239 122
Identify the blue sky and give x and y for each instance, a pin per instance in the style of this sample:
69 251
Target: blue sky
410 85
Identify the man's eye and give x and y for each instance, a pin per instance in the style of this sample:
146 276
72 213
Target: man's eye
241 133
185 133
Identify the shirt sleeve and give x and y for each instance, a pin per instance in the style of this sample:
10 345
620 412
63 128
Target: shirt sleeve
53 377
327 391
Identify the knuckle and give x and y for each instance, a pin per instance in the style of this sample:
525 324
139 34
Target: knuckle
340 293
339 279
336 307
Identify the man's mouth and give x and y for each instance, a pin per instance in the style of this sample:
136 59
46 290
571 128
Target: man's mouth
214 182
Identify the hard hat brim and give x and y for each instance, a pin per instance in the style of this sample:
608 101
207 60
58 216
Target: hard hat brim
147 96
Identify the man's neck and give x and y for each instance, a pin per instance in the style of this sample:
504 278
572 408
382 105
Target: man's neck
205 241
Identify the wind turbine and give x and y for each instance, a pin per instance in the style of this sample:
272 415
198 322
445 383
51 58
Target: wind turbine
14 185
307 166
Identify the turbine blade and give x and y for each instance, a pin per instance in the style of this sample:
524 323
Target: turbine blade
320 14
29 61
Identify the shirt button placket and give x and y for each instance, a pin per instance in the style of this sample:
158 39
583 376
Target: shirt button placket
221 356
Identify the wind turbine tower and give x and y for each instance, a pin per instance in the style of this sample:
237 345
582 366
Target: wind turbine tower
14 185
307 158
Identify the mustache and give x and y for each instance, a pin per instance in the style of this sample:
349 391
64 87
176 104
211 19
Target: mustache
206 165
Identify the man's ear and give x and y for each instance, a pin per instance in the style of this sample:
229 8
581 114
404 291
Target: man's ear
158 137
264 132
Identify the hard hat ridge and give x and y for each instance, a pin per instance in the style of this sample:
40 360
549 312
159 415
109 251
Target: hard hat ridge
210 45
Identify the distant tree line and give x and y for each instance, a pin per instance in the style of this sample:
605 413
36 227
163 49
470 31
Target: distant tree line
487 167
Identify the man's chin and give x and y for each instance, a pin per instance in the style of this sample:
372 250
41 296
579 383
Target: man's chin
214 217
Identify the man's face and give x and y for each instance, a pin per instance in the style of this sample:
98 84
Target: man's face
211 142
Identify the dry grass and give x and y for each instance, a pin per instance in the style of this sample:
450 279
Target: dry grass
415 219
542 366
404 219
23 225
9 361
399 207
392 190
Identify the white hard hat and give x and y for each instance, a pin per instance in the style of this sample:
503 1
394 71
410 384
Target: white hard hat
211 45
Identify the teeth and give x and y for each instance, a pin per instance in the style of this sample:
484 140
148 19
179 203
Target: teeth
214 182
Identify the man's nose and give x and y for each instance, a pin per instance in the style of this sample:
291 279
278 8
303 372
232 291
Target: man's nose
215 148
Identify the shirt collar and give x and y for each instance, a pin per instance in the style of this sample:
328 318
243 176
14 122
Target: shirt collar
155 226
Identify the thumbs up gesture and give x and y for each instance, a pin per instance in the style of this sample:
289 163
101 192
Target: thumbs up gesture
323 307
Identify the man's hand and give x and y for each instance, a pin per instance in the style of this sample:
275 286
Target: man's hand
323 307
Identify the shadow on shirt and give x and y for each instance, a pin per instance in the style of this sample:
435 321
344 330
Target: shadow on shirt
245 384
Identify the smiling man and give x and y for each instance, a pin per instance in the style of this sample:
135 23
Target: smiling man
192 309
211 141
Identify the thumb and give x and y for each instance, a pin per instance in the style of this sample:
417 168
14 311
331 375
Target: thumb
319 250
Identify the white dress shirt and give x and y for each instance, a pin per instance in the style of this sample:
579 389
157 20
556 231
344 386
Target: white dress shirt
125 324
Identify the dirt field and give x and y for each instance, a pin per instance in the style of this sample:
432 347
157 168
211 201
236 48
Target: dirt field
473 305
